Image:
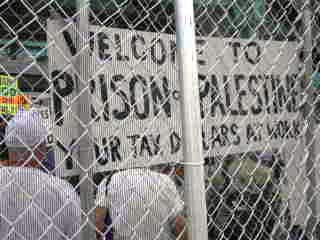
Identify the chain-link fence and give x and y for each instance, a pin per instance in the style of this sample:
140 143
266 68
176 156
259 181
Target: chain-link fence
104 74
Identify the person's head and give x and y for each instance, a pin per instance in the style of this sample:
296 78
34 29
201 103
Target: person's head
26 139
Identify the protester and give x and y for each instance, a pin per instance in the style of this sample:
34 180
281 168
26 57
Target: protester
142 204
47 164
34 205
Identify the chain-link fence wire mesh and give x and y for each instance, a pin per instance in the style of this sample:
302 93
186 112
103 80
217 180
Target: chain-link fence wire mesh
251 193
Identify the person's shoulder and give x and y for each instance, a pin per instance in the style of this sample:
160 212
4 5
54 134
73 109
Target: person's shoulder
130 178
124 175
167 182
35 176
143 176
156 178
62 187
163 177
62 182
141 172
22 172
132 174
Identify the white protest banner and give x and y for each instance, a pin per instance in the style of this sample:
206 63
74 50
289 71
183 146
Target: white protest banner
248 90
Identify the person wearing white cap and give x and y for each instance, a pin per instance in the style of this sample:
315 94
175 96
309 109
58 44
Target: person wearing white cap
143 205
34 205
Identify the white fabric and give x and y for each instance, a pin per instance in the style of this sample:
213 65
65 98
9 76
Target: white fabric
26 128
37 206
142 203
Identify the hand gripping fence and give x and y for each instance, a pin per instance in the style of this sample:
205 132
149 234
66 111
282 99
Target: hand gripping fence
115 83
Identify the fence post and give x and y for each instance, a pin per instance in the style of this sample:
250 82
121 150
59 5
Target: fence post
309 117
86 154
191 121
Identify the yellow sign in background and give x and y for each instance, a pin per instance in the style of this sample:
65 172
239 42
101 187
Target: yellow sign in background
11 98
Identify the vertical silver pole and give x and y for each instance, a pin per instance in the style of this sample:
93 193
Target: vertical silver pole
191 121
85 153
308 114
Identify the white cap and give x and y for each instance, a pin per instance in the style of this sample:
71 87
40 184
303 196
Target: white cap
26 128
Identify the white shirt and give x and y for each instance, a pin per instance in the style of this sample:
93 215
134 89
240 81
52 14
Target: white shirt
142 203
37 206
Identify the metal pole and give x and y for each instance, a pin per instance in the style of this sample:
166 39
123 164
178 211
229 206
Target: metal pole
309 116
191 121
85 154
